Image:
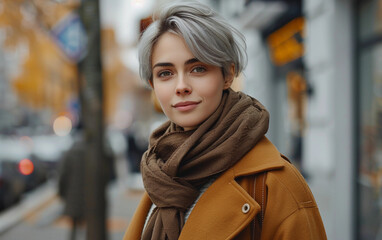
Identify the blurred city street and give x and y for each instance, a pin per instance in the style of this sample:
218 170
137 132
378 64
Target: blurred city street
39 214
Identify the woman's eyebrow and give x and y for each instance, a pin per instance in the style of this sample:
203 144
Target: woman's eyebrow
191 61
163 64
168 64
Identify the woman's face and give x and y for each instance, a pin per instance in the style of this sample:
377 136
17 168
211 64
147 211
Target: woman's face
188 90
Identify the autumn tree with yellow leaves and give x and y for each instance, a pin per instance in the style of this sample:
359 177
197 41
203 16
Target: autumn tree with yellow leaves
46 78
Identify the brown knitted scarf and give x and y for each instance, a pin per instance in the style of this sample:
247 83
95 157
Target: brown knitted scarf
179 162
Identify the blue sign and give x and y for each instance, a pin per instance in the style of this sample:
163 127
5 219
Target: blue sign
71 36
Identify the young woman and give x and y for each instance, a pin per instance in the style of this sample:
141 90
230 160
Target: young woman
209 172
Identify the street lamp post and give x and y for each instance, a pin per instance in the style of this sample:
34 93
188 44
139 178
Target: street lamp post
92 116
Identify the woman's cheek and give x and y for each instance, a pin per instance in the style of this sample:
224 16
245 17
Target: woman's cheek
163 96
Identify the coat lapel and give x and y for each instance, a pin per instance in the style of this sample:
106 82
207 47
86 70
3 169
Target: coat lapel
219 212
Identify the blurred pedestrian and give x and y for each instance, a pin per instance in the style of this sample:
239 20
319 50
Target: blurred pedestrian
137 145
71 184
210 172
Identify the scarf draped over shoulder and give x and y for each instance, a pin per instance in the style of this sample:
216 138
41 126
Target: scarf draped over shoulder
179 162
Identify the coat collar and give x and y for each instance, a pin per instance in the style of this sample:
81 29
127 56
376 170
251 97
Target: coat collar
263 157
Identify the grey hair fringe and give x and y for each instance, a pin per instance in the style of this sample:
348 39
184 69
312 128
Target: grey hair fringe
209 37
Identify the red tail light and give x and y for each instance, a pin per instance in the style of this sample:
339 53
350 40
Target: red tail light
26 167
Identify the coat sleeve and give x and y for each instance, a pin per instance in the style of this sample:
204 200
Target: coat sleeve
304 223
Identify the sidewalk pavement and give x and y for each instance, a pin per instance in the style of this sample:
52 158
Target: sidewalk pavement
38 215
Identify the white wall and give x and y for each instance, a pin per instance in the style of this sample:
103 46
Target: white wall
329 142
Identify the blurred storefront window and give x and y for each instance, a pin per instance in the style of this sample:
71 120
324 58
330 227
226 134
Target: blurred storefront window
371 19
370 120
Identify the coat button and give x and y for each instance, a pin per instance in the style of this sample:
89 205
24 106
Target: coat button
245 208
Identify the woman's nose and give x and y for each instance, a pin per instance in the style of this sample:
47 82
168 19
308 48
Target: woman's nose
182 87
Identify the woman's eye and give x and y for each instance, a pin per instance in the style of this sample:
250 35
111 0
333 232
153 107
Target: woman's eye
199 69
164 74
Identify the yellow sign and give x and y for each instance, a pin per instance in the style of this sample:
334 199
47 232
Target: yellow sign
285 44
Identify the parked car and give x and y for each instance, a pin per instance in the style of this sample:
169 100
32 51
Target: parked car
11 185
27 162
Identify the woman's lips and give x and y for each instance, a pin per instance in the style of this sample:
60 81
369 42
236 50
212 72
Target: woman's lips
186 106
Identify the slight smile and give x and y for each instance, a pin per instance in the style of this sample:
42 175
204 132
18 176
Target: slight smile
185 106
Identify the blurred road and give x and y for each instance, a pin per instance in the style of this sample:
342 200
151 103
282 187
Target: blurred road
38 216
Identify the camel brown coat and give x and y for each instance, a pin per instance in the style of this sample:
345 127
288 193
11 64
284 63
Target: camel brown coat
291 212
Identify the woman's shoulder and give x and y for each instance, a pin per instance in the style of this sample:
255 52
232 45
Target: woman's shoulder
292 184
282 176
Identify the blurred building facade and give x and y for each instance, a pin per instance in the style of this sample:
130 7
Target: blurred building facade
316 65
369 118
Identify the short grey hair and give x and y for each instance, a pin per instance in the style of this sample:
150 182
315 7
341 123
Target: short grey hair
210 38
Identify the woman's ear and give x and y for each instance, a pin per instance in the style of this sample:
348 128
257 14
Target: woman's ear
151 83
155 102
230 76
